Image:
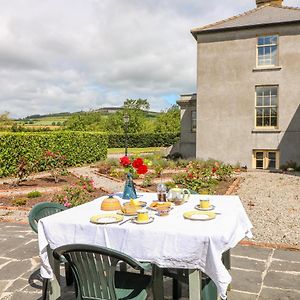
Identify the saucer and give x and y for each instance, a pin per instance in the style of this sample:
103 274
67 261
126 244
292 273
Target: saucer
134 220
106 219
212 207
199 215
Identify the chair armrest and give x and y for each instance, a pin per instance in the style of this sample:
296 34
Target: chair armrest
146 266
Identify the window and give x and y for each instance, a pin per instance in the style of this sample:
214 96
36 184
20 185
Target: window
267 50
194 120
266 159
266 106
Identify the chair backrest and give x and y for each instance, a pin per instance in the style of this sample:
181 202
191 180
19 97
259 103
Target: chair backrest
42 210
94 269
193 192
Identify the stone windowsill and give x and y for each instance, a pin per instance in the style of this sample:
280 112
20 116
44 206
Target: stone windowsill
271 68
273 130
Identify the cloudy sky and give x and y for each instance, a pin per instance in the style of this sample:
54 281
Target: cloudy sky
71 55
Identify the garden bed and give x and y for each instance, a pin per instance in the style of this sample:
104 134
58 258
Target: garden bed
19 195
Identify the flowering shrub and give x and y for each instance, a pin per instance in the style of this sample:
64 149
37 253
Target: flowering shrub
24 169
201 177
55 161
76 194
136 166
87 184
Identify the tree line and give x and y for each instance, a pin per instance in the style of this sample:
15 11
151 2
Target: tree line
139 120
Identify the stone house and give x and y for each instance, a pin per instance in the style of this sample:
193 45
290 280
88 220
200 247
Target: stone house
247 106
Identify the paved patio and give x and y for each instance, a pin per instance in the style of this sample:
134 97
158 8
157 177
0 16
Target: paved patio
257 273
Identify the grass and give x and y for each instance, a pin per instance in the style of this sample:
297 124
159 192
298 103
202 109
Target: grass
135 150
46 121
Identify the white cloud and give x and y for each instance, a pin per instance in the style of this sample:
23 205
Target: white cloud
79 54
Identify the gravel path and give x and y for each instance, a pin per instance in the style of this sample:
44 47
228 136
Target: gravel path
272 201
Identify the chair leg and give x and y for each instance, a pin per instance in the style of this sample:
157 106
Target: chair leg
176 289
45 288
69 274
226 259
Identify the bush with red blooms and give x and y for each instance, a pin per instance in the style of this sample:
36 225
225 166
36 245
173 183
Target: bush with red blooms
135 166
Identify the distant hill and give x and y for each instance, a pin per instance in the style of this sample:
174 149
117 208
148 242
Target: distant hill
103 110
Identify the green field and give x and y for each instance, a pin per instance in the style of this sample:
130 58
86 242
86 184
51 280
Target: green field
135 150
46 121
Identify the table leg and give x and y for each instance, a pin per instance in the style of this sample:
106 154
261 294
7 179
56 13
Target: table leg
195 284
54 283
158 283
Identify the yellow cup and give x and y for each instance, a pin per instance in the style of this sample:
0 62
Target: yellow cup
205 203
142 215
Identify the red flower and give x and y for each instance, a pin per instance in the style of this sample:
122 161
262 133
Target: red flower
143 169
125 161
49 153
137 163
214 170
190 175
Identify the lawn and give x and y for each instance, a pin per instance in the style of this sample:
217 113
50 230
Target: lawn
135 150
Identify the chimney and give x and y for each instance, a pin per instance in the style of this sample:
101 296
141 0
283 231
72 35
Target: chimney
264 2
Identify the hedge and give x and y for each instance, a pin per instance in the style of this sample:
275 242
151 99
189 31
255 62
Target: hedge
78 147
142 140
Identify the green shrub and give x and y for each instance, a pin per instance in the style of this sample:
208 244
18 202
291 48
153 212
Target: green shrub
290 165
78 148
19 202
34 194
203 176
77 194
142 140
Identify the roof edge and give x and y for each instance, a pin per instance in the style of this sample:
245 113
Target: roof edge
205 29
243 27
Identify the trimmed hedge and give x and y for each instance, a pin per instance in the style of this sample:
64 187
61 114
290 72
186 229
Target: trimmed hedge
142 140
78 147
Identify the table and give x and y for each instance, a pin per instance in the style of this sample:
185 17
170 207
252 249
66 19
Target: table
168 242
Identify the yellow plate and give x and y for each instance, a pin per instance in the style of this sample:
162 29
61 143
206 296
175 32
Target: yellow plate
106 218
199 215
126 214
160 204
139 203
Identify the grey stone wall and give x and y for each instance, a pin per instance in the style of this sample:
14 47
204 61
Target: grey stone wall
227 76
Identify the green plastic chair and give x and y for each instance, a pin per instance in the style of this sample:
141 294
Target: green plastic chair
193 192
42 210
39 211
94 269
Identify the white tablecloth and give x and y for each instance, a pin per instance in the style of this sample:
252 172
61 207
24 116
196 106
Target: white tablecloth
170 241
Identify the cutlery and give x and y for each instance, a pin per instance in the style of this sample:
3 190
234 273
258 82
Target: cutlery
126 221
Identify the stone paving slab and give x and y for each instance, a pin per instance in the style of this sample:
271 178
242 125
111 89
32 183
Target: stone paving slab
246 280
248 263
287 255
277 294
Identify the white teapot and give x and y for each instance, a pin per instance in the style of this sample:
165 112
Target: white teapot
178 195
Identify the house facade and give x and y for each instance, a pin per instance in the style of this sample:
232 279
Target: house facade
247 106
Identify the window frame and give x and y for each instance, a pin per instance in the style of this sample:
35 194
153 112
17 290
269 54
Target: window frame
270 127
265 158
266 45
193 120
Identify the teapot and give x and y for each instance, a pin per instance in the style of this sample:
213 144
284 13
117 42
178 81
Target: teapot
178 195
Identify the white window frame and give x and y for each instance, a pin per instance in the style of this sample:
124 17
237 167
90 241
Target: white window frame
276 60
265 159
263 107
